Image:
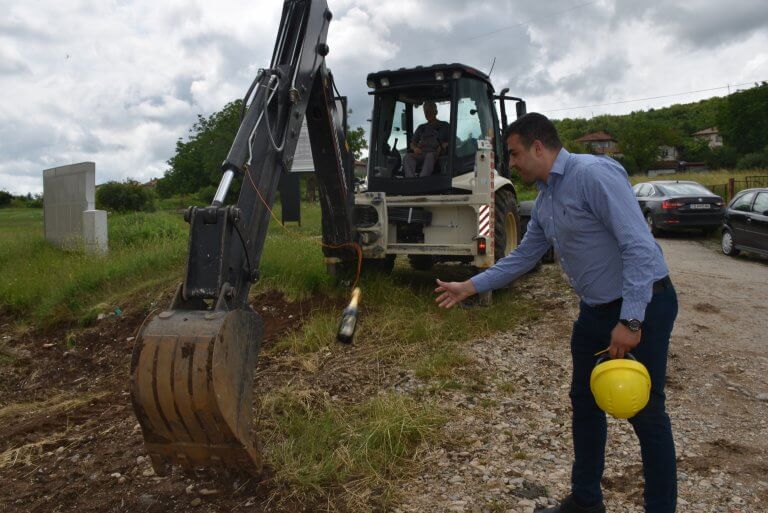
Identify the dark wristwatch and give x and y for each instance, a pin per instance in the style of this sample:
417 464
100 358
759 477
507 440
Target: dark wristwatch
633 324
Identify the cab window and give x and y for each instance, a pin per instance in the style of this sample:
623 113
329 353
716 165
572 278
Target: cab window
473 120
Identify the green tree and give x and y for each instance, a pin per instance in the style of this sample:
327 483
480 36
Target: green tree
5 198
743 120
357 142
754 160
639 142
197 162
696 150
124 197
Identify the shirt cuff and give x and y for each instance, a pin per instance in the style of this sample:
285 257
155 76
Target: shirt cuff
633 309
481 283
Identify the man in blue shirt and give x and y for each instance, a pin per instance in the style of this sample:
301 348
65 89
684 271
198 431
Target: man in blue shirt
586 209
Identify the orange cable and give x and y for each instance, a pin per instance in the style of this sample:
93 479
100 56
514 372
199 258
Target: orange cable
354 245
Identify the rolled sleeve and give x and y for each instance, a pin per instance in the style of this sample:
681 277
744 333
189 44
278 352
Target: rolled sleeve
521 260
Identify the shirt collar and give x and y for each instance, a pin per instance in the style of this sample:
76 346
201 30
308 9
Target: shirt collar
558 167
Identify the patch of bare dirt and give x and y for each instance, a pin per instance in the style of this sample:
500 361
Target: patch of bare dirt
70 440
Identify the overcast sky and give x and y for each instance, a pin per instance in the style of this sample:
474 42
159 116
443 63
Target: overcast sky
117 82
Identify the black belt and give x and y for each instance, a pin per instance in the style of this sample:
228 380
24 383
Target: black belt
658 286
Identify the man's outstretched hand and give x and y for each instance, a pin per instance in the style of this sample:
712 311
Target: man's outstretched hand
453 292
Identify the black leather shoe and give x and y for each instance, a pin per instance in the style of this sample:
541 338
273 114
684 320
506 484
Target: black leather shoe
568 505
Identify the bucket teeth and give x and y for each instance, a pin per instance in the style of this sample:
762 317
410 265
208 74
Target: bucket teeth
192 389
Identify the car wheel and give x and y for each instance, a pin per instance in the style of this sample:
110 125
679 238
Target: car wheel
506 224
727 245
651 224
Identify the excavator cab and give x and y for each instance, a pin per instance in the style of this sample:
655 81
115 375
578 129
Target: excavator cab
461 206
465 100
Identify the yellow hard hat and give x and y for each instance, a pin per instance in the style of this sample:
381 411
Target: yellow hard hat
621 386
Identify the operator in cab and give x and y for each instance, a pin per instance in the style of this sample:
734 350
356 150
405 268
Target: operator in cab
429 142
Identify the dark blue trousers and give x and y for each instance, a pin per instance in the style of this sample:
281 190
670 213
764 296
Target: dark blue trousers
592 333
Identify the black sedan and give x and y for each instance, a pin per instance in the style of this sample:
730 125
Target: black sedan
745 224
672 205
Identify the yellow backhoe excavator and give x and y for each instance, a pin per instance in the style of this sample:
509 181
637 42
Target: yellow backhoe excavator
192 366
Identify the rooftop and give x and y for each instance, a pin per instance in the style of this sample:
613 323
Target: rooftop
708 131
596 137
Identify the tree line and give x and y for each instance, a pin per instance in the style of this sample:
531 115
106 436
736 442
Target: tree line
195 166
741 118
28 200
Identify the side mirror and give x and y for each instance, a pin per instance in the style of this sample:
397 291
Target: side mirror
765 212
521 109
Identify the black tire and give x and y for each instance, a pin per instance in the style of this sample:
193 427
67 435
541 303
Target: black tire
727 245
379 265
343 273
651 224
421 262
506 210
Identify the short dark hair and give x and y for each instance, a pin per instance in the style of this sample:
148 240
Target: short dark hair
534 127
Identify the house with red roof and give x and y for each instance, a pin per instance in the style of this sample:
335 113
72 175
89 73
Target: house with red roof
601 143
711 135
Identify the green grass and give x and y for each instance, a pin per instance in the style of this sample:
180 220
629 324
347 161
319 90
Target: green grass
441 364
45 284
317 443
400 319
314 443
718 177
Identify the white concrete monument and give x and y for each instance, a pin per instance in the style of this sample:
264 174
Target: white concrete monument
69 215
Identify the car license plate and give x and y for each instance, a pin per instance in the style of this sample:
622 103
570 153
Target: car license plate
700 205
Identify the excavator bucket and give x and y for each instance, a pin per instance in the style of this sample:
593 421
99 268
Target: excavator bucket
192 389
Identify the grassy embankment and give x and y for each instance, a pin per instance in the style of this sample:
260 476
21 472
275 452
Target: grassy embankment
717 177
707 178
318 443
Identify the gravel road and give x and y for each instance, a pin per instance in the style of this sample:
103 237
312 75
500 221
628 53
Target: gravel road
507 447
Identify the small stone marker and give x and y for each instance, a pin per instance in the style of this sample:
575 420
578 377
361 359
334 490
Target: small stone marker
69 215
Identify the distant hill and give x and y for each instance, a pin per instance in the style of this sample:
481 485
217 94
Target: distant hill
682 118
741 117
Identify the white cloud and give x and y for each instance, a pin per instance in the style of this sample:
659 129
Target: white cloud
118 82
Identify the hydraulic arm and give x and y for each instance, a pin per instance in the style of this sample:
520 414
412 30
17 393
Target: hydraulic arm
192 366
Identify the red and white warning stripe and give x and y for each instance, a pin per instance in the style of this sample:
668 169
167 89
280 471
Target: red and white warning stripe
484 220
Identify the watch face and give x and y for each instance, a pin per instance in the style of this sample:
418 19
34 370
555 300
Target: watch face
633 324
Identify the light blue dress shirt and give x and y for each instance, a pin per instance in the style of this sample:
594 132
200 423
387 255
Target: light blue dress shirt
588 212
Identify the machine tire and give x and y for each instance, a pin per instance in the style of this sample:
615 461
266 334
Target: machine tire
421 262
379 265
342 273
506 219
